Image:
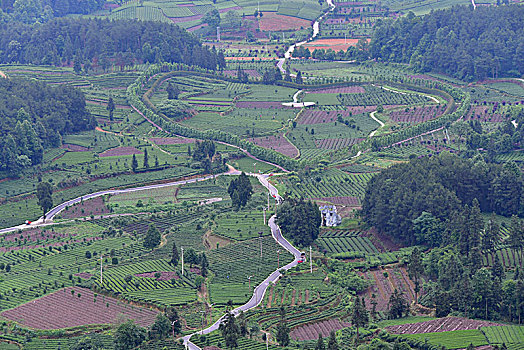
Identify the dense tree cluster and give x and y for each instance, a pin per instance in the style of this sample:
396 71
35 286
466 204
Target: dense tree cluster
460 41
455 285
34 116
30 11
210 160
102 43
438 200
240 191
299 220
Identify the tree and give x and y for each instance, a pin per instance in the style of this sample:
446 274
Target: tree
204 264
212 18
332 343
152 238
110 107
44 193
174 255
359 314
146 159
490 235
134 164
320 343
300 220
160 329
298 79
240 191
128 336
172 91
230 331
88 342
242 323
233 19
398 306
415 269
172 315
282 336
516 235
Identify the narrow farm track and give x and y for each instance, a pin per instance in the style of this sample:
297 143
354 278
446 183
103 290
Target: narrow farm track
372 115
260 290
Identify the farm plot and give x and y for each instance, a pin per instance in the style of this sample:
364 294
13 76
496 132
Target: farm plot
330 185
507 256
452 340
384 282
313 116
276 142
340 90
377 95
241 225
276 22
349 201
333 44
445 324
417 114
335 245
134 282
504 334
234 263
120 151
171 140
337 143
94 206
261 105
311 331
72 307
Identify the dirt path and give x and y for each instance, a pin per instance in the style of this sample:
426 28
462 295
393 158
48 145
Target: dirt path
211 241
107 132
372 115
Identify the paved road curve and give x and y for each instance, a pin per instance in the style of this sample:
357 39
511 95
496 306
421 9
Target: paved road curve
53 212
260 290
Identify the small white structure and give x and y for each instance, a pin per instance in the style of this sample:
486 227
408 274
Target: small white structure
329 215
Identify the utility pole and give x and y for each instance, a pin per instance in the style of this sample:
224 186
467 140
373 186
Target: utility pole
202 312
182 249
278 259
249 279
264 216
254 168
101 270
260 240
268 200
310 261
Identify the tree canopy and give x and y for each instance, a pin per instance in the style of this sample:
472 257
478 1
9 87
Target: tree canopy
300 220
460 41
125 42
240 191
437 200
35 116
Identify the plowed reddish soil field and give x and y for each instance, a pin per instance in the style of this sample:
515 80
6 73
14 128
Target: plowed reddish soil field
311 331
62 309
272 21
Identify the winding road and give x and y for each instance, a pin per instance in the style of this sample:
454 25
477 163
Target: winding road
372 115
316 30
260 290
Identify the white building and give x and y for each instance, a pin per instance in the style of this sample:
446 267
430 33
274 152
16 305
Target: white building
329 215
